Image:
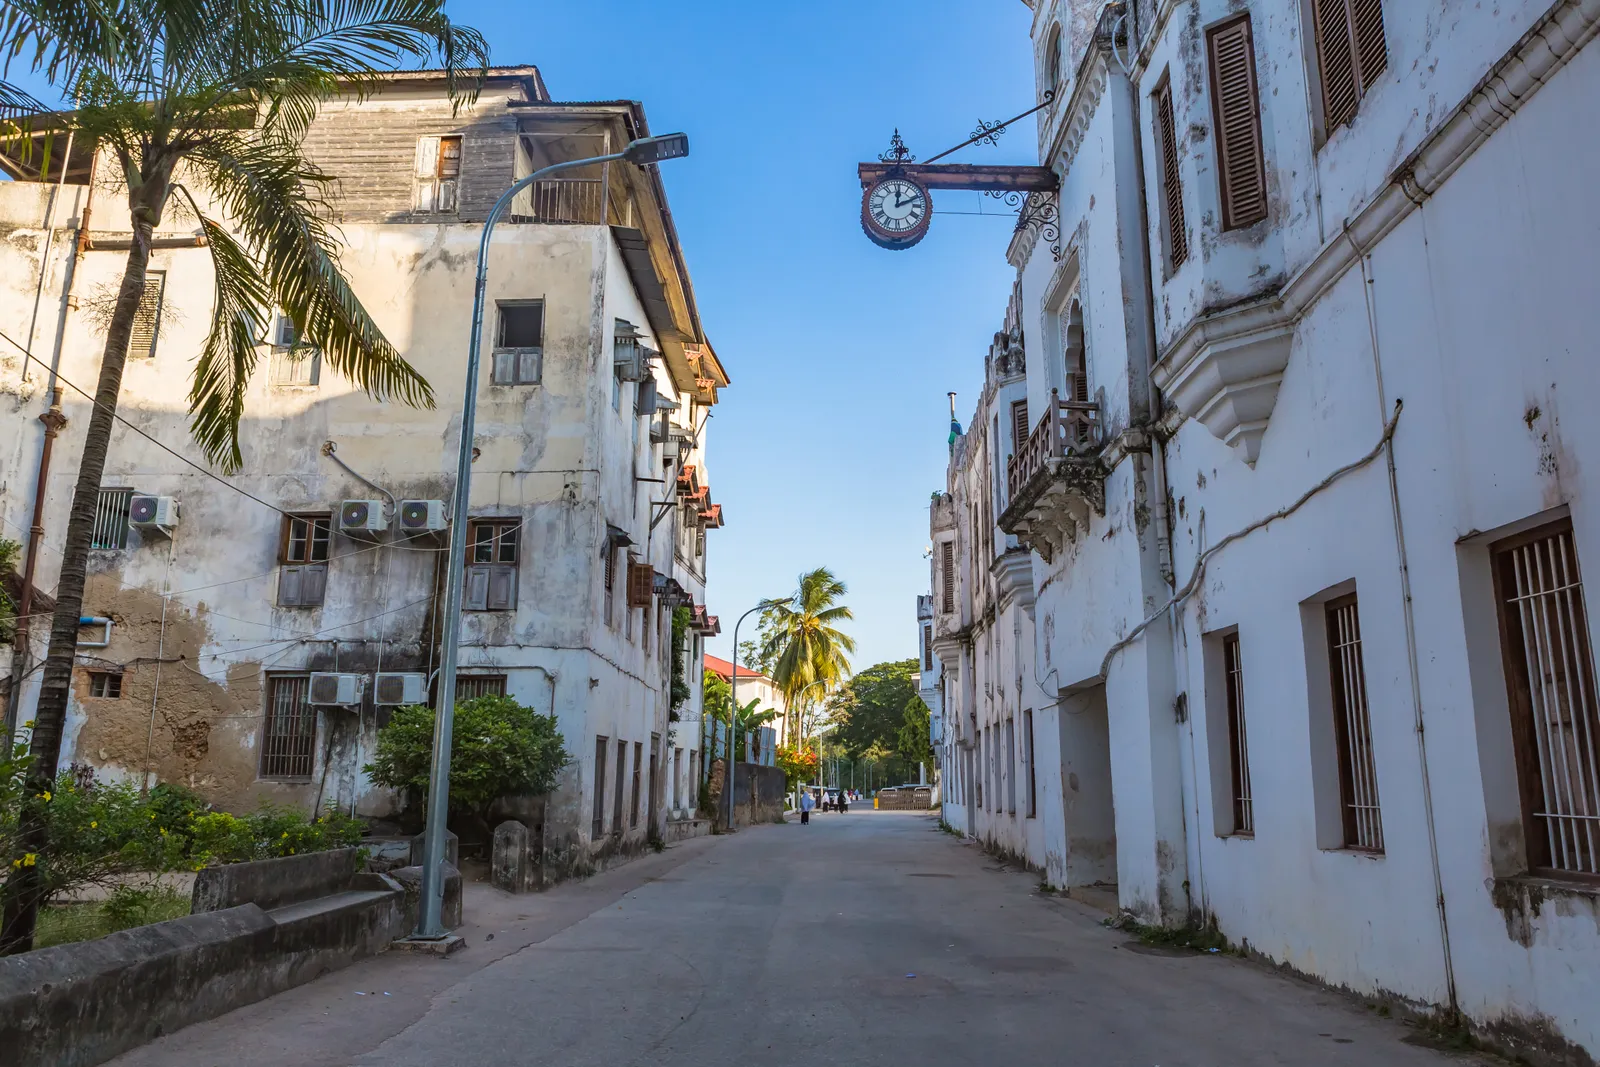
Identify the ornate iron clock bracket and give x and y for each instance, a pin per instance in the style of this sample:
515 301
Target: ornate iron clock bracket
1038 212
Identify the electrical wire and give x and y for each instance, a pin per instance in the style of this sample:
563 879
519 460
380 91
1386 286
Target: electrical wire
113 413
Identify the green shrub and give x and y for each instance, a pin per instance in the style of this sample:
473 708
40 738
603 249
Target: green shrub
499 748
268 833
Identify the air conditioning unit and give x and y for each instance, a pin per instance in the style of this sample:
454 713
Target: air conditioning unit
422 516
362 518
395 687
342 690
153 515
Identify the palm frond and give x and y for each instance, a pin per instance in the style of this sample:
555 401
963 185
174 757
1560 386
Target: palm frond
216 400
274 198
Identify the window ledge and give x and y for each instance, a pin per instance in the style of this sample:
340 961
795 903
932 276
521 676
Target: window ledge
1357 853
1546 884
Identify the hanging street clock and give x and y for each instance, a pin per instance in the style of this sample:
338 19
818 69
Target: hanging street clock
895 211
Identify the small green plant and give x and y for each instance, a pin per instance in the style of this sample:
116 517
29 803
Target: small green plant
1200 938
501 748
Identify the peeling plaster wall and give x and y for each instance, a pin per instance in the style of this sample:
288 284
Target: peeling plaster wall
556 455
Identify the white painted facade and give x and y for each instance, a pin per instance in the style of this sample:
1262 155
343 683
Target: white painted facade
199 636
1433 252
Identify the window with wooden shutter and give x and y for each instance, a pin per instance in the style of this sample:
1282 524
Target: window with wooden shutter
1236 109
492 558
147 317
610 581
1174 228
1019 426
1352 54
641 584
1555 712
597 824
947 574
927 647
303 558
519 343
438 172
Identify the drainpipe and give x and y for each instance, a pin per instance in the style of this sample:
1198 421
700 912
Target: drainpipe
53 421
1367 285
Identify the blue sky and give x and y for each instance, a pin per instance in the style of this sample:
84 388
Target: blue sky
833 435
828 444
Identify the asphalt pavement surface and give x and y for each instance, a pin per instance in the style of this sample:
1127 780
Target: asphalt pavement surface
861 939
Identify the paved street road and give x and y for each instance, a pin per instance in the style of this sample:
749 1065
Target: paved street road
792 945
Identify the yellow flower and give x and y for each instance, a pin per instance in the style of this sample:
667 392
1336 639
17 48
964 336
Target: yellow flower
93 825
163 831
286 835
45 796
30 859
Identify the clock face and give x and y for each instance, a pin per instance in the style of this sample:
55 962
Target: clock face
895 212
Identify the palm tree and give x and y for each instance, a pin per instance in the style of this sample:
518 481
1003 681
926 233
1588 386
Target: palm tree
803 641
202 107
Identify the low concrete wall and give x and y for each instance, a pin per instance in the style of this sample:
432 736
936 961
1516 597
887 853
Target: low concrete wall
758 794
81 1004
276 882
686 829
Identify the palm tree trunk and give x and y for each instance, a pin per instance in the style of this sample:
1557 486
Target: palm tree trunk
23 888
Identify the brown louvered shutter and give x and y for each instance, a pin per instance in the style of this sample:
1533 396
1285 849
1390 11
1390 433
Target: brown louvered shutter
147 317
1237 112
948 578
1351 54
1019 426
1171 187
641 584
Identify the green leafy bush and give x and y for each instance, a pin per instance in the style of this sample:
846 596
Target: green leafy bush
499 748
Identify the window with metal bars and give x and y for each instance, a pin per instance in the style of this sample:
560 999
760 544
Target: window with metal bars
638 779
492 557
597 825
1351 55
622 768
147 317
1236 109
1173 226
1244 820
1352 726
479 685
1033 778
947 577
289 735
111 520
105 685
1550 680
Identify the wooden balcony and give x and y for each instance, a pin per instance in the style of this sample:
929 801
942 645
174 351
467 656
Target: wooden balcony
1058 480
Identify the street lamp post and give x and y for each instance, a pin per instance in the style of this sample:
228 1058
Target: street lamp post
733 712
429 927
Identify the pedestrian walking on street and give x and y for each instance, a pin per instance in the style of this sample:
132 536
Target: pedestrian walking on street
806 804
844 802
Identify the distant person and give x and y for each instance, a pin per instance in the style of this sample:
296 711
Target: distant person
844 801
807 802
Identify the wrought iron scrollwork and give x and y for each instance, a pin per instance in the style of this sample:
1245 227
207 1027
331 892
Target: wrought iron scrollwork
988 132
898 152
1037 211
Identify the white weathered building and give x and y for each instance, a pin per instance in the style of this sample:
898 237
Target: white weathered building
590 495
1306 490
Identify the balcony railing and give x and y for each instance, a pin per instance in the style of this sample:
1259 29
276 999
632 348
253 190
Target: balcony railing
562 200
1068 428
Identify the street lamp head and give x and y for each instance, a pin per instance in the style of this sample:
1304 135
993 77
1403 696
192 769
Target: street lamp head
655 149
